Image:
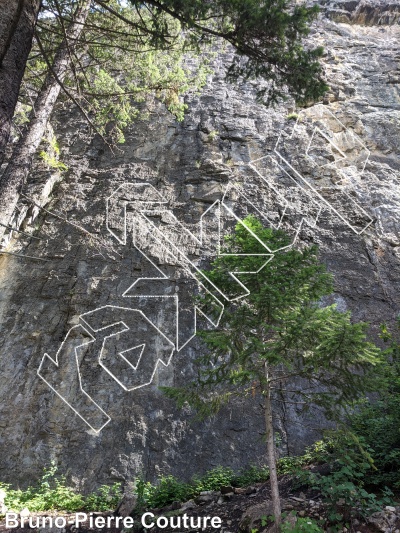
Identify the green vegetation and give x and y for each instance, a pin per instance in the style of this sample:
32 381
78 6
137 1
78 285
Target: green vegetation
116 71
343 488
129 53
212 135
169 489
115 60
377 419
277 332
302 525
52 493
364 454
251 474
51 154
276 343
266 36
52 162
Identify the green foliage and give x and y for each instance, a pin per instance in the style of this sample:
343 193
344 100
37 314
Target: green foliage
343 489
118 68
168 490
277 340
306 525
290 464
250 475
344 493
378 424
214 479
280 325
267 38
106 498
51 155
377 419
117 110
52 493
129 54
294 525
52 162
144 490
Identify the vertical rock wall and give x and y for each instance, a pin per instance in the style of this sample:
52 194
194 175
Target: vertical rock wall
330 171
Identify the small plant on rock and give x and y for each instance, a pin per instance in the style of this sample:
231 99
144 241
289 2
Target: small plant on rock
212 135
302 525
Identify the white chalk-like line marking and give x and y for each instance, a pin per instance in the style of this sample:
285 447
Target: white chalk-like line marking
148 202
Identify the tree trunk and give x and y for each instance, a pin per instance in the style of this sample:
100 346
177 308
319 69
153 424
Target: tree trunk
17 24
276 501
18 168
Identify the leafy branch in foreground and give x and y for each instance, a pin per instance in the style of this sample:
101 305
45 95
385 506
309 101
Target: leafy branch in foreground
279 342
266 36
111 74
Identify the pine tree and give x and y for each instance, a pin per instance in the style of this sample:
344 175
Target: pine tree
267 38
17 25
279 341
377 419
94 60
14 176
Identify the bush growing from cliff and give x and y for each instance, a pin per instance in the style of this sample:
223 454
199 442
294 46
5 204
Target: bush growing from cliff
278 343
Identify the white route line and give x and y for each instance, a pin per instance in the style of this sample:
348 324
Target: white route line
127 328
325 110
56 362
334 164
145 208
176 253
287 203
88 330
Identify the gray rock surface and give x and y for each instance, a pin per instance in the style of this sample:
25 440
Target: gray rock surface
367 12
128 502
337 168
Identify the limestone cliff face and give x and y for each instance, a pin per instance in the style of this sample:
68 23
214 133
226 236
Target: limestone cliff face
366 12
331 173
